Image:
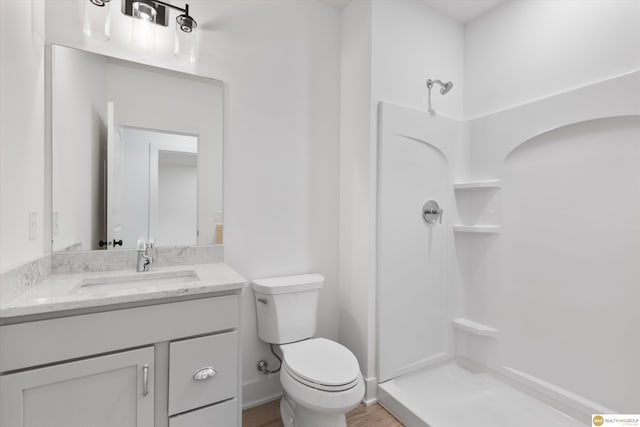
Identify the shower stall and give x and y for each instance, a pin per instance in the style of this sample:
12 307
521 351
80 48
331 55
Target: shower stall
513 301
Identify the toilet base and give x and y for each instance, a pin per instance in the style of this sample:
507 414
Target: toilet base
294 415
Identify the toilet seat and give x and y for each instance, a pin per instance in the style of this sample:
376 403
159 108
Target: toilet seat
321 364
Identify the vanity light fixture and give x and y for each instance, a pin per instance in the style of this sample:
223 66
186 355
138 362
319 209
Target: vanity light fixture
156 12
146 16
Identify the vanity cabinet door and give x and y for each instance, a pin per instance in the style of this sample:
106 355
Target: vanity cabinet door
106 391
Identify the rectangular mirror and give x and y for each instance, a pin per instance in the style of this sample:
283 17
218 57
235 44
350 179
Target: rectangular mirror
136 153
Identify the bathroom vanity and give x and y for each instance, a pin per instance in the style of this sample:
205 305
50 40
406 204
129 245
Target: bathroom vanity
131 349
83 336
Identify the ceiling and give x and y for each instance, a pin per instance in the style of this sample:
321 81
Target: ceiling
463 10
340 4
460 10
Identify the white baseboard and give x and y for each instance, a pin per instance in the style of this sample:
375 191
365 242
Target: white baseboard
371 391
261 391
268 389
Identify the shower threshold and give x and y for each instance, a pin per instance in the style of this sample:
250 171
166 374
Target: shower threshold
449 395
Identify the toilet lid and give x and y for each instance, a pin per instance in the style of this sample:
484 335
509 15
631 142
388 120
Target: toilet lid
322 362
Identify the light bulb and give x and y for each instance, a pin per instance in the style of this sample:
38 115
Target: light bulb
97 19
143 27
185 38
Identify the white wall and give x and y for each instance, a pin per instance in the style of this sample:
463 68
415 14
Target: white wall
177 198
356 285
79 132
530 49
280 64
21 128
412 43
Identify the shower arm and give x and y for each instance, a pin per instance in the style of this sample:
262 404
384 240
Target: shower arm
430 84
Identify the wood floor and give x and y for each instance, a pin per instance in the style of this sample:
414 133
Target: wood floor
268 415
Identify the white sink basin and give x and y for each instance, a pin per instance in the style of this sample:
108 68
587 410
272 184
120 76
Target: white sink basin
134 281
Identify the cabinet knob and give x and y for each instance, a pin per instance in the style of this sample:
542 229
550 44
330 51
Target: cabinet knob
204 374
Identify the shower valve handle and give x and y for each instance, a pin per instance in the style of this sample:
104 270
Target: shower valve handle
431 212
438 212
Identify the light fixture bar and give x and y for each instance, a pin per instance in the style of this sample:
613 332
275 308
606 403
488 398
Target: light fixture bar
185 10
162 17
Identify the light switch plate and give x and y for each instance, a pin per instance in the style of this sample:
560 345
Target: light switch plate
33 225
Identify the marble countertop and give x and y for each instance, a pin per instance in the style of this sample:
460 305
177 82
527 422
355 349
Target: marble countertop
96 289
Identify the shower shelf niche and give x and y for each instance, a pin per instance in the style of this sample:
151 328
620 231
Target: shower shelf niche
477 185
475 327
478 229
466 196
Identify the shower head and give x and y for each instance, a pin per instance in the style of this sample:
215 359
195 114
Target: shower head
444 87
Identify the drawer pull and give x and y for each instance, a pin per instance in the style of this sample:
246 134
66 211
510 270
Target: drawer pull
204 374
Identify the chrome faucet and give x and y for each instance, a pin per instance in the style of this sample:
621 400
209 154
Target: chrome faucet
144 259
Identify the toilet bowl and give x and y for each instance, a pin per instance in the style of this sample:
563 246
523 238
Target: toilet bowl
320 378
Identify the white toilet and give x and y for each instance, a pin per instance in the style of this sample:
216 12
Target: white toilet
321 378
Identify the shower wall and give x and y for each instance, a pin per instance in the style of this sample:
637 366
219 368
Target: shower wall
545 300
571 240
417 293
560 281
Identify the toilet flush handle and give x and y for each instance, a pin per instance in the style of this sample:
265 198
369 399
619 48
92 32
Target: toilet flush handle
263 300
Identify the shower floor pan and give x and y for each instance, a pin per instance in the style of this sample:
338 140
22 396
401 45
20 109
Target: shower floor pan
451 396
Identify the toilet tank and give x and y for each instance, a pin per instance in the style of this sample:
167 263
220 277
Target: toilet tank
287 307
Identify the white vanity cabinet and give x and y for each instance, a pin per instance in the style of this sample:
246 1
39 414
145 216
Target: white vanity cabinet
171 364
116 389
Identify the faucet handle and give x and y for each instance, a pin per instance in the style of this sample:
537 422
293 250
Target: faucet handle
144 245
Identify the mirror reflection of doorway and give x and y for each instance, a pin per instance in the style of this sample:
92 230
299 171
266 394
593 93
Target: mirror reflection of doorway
173 219
155 187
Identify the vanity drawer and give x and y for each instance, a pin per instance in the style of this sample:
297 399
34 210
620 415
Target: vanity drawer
53 340
188 357
223 414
